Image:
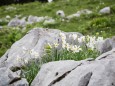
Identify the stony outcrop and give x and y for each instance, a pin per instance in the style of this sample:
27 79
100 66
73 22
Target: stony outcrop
10 78
31 46
99 72
106 45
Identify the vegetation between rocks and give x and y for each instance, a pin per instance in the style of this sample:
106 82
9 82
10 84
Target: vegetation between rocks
94 24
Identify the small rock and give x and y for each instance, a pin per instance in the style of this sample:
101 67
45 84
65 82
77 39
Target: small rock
60 13
23 22
105 10
17 22
84 11
34 19
14 22
79 13
73 16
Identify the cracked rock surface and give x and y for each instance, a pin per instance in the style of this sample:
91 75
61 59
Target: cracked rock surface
99 72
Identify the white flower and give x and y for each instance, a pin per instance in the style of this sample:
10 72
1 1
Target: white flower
34 53
63 37
90 45
56 45
26 60
93 39
81 39
99 39
67 46
64 44
75 48
91 42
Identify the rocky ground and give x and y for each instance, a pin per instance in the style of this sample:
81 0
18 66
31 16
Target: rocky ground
34 54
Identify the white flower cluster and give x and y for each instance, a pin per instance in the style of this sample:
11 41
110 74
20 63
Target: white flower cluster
70 47
31 52
20 59
92 40
89 41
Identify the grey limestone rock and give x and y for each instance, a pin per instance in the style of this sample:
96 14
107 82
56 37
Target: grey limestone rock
7 77
34 19
106 45
99 72
105 10
31 46
17 22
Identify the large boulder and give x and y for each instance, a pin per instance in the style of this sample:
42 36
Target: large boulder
31 46
99 72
